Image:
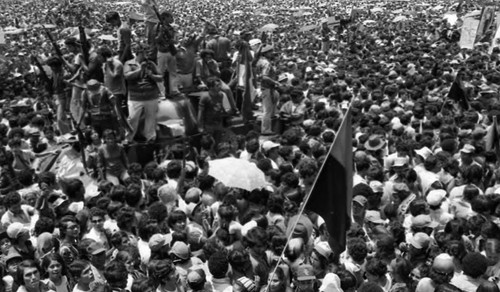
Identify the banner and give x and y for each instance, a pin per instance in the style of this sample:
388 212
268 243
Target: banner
469 32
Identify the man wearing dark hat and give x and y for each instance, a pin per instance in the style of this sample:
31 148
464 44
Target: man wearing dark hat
59 93
266 74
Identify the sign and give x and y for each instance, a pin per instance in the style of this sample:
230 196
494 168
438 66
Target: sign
469 32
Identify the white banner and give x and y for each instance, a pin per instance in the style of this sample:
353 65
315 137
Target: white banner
469 32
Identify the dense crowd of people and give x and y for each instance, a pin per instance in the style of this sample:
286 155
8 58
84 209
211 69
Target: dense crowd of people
81 82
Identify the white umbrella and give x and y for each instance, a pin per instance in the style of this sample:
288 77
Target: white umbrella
107 37
237 173
399 18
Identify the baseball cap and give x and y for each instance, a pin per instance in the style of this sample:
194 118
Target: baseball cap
374 217
93 85
400 161
331 283
420 240
305 272
268 145
376 186
95 248
158 240
444 263
424 152
12 254
167 194
423 221
15 229
360 200
323 248
468 149
181 250
435 197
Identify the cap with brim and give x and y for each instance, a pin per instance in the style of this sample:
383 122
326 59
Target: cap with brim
400 161
305 272
420 240
196 276
268 145
12 255
360 200
15 229
468 149
443 263
157 241
267 48
323 248
181 250
374 217
374 143
421 221
435 197
376 186
424 152
93 85
96 248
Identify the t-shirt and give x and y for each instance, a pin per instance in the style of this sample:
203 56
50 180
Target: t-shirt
212 109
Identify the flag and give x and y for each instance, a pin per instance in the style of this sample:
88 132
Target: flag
331 194
457 94
492 139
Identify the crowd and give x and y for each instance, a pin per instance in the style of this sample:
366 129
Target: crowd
426 181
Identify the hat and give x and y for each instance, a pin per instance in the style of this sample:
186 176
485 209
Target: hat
443 263
196 276
420 240
268 145
374 217
400 161
400 187
454 62
376 186
435 197
331 283
254 42
323 248
423 221
374 143
267 48
282 77
181 250
247 284
93 85
424 152
12 254
303 228
360 200
468 149
158 241
305 272
15 229
95 248
34 132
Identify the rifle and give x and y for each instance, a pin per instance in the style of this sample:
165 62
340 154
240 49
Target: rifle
85 44
54 44
166 26
45 77
81 139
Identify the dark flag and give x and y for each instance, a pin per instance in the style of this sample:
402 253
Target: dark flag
492 139
457 93
331 194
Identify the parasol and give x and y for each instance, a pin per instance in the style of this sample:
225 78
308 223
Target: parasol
400 18
237 173
269 27
107 37
377 10
308 28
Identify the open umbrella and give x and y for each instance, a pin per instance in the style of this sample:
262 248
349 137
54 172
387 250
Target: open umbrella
15 31
377 10
400 18
107 37
269 27
308 28
237 173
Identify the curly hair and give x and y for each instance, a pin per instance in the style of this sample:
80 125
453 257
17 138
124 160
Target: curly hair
474 264
376 267
218 264
357 249
307 168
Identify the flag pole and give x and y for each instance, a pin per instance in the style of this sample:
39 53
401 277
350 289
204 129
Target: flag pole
304 203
